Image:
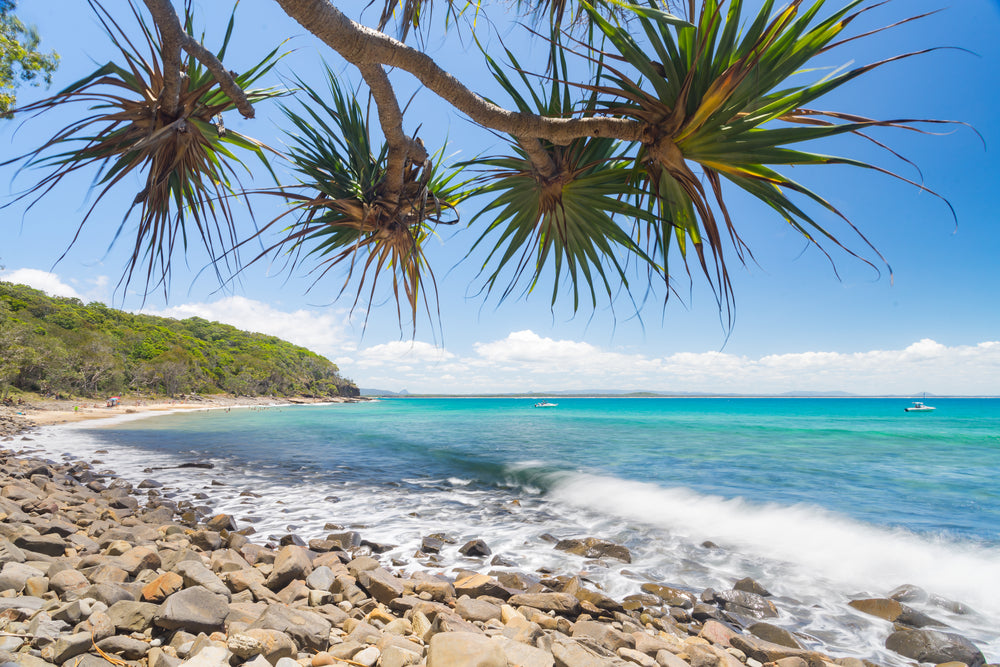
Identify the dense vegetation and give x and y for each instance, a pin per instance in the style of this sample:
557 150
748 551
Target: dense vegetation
65 347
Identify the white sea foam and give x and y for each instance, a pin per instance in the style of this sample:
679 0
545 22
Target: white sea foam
813 560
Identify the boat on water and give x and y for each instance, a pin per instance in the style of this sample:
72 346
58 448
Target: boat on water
545 404
919 407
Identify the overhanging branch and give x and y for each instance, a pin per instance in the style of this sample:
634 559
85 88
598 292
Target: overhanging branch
174 39
359 45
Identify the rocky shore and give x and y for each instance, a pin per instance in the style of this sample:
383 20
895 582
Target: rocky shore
98 572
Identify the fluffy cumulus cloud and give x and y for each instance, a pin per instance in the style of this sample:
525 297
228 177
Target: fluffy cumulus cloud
526 361
323 331
45 281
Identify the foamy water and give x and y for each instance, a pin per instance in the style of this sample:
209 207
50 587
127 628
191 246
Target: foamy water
812 558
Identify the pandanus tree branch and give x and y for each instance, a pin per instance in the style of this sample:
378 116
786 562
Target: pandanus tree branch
401 148
174 39
359 44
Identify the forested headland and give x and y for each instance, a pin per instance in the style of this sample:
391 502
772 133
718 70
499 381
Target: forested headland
63 347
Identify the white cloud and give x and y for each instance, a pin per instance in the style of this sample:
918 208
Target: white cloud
48 282
324 332
526 361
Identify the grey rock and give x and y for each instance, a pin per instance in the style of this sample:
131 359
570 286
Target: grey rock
210 656
272 644
106 593
308 630
194 609
132 616
381 585
473 609
67 580
15 575
604 634
464 649
935 646
321 578
560 603
50 545
126 647
195 573
524 655
66 647
569 653
10 553
291 563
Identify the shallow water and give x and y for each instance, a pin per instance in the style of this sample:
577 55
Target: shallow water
820 500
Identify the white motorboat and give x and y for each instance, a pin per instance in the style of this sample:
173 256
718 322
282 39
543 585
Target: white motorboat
546 404
919 407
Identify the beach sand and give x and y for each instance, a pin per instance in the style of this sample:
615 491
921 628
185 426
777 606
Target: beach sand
49 411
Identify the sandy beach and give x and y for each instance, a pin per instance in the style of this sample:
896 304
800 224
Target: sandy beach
15 418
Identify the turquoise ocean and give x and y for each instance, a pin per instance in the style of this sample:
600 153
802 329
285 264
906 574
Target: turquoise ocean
820 500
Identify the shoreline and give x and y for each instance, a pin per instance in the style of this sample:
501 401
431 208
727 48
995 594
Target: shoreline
16 419
678 617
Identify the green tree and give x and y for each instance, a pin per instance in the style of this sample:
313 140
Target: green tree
623 147
20 59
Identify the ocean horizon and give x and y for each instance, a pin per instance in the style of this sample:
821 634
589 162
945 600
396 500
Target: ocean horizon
822 500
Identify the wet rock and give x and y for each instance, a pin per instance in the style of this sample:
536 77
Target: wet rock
348 540
675 597
381 585
475 548
221 522
746 604
750 586
464 649
431 545
935 646
774 634
592 547
194 609
887 609
908 593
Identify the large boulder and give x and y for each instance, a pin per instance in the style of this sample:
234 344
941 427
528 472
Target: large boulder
746 604
310 631
291 563
935 646
464 649
194 609
560 603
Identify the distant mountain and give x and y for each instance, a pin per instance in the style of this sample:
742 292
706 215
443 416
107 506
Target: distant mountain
378 392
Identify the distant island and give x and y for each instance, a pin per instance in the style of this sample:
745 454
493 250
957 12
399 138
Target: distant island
53 347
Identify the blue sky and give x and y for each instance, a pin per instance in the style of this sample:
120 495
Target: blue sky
935 326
